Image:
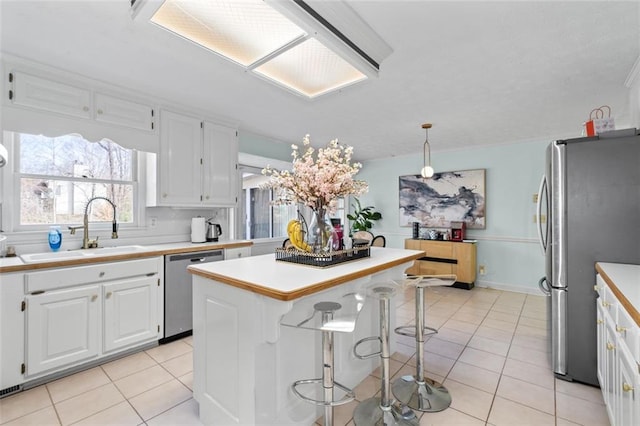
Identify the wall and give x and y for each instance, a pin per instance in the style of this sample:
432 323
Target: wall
508 247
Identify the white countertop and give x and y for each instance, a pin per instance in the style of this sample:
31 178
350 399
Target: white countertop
286 281
626 279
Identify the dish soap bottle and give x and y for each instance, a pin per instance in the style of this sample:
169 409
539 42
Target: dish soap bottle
55 238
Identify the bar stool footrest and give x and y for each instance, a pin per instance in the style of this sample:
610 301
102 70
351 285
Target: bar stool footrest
366 339
410 330
350 394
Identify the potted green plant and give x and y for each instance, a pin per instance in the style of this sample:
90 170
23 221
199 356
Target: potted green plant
362 217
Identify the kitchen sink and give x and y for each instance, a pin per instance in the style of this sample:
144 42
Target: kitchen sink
112 251
53 256
80 254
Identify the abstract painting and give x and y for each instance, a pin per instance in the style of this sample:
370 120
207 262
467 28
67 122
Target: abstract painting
445 197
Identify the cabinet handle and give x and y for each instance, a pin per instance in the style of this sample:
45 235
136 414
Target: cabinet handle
620 329
85 108
94 297
606 304
610 346
109 294
626 387
600 321
101 274
596 288
164 195
99 111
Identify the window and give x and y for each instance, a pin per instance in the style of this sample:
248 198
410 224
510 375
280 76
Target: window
258 218
57 176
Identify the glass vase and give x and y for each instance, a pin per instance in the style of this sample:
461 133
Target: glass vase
322 236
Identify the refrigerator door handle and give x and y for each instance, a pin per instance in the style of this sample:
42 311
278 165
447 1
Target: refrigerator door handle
544 286
542 193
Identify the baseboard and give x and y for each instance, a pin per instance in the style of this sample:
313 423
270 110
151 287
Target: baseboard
507 287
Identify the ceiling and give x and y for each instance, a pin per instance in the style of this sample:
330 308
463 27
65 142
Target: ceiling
484 73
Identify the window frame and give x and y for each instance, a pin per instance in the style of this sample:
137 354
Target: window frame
10 203
256 164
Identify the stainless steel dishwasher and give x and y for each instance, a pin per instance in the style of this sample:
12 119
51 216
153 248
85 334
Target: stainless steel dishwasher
178 303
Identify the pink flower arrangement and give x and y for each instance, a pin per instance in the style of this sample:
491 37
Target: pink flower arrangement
317 182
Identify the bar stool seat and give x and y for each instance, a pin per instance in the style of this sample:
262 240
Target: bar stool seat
420 392
326 316
382 410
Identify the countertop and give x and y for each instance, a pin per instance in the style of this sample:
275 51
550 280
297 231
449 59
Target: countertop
15 264
288 281
624 281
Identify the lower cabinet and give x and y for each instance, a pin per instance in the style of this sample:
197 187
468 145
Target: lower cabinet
130 314
618 368
445 257
79 314
62 327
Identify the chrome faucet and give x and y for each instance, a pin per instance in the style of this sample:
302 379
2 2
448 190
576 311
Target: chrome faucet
86 243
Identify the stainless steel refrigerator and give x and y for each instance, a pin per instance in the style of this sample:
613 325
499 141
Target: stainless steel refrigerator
590 193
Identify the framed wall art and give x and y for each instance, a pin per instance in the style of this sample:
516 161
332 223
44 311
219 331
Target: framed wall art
443 198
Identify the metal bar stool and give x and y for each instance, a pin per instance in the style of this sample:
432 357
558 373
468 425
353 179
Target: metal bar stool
328 316
383 410
420 392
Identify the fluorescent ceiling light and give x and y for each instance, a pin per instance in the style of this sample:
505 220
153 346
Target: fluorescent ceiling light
262 39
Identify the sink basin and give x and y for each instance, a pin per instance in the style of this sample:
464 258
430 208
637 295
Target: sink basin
111 251
53 256
79 254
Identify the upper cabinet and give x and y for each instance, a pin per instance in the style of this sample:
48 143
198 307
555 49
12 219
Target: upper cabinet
40 93
122 112
196 164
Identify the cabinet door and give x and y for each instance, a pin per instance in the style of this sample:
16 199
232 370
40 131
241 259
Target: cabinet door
180 160
49 95
601 347
611 368
219 167
130 312
465 254
627 387
62 328
112 110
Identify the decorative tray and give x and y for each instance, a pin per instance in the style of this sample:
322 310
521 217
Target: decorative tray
322 260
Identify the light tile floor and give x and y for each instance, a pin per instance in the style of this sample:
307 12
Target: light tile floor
491 352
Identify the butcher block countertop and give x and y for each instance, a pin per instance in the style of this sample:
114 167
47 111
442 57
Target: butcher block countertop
624 282
15 264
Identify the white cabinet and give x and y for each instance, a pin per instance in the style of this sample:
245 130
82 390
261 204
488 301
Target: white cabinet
122 112
197 162
220 157
618 357
130 312
62 328
83 313
60 97
236 253
40 93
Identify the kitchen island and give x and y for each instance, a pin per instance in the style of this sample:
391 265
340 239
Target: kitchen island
245 361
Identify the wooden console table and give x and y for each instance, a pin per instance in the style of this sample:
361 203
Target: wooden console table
445 257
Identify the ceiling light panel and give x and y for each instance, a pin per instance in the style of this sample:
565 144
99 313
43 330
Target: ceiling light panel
311 69
242 30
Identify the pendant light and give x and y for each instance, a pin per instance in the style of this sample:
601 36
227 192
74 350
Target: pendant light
427 170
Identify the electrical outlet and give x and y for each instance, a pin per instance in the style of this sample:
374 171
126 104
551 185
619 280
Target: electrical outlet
153 222
535 198
482 270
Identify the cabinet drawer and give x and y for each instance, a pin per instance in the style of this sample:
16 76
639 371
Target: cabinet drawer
442 250
435 268
610 303
600 285
69 277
